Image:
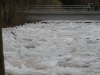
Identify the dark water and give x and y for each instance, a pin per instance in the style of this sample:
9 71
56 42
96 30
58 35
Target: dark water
63 17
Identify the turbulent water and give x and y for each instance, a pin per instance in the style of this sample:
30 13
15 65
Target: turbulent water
60 47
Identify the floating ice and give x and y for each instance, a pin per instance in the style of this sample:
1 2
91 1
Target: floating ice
60 47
